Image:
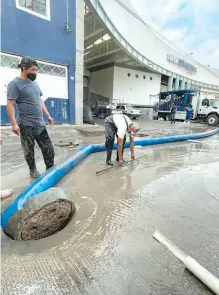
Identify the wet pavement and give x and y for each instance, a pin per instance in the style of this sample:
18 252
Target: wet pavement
108 247
12 159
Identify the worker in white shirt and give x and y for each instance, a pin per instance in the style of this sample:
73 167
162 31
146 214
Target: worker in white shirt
117 125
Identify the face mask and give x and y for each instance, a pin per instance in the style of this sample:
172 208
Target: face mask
31 76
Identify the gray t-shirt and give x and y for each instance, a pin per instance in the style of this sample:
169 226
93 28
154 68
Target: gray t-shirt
27 96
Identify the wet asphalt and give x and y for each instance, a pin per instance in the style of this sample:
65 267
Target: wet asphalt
108 247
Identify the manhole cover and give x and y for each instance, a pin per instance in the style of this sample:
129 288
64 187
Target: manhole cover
142 135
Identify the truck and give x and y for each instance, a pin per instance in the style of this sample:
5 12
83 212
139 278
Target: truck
100 110
103 109
205 105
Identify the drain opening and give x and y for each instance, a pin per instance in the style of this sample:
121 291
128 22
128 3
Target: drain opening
42 216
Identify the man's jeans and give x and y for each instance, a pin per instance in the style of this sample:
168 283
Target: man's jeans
39 134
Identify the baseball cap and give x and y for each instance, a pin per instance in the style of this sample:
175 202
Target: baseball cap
27 61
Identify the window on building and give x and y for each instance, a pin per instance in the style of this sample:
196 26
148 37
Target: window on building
40 8
128 74
136 76
12 61
151 78
144 77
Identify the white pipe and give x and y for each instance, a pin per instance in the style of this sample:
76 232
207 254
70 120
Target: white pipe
192 265
170 246
202 274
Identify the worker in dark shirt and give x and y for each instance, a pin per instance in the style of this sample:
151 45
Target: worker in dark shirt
25 92
173 113
155 111
189 113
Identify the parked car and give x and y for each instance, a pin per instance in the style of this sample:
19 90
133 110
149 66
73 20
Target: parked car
103 109
129 111
100 110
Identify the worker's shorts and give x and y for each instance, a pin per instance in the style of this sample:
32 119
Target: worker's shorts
110 133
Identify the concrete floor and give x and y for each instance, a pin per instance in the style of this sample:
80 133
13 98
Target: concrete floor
14 172
108 247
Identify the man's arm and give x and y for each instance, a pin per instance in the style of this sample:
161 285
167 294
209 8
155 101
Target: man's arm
45 111
132 147
120 147
11 111
13 94
11 114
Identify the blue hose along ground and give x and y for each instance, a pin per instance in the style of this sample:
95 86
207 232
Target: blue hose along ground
55 174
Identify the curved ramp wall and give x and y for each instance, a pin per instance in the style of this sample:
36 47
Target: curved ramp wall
116 14
55 174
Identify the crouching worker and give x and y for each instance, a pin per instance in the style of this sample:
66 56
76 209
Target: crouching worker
117 125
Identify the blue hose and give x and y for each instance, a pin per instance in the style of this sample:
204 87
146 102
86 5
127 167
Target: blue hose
55 174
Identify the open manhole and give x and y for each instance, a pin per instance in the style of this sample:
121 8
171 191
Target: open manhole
142 135
42 216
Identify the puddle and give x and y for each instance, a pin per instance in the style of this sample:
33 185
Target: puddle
108 247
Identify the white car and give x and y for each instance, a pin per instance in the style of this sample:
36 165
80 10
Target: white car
129 111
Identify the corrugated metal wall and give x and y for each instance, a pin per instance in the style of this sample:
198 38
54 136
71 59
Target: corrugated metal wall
58 109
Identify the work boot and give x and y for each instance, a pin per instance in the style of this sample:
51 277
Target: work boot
34 174
48 167
108 157
110 163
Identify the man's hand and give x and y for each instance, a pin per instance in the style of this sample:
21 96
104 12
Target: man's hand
45 111
132 148
50 120
132 156
16 129
121 162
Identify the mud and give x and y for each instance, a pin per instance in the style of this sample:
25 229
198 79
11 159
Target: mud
108 247
42 216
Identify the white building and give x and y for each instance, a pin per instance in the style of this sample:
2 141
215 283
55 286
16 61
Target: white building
102 47
128 60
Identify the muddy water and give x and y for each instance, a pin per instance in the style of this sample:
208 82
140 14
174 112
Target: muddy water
108 246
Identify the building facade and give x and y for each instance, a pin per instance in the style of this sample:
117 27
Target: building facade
138 44
126 84
46 31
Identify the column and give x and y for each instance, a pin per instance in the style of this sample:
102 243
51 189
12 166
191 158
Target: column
176 84
79 70
183 84
188 84
89 90
170 83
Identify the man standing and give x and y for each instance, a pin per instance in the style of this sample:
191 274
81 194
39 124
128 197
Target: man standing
155 111
117 125
189 113
173 113
25 92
